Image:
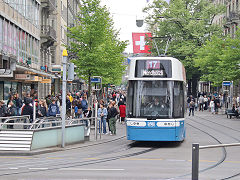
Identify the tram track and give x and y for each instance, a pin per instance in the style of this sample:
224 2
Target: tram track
236 174
224 154
215 129
218 124
71 164
46 161
56 166
126 147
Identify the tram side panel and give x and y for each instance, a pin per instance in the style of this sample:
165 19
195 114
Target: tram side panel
155 130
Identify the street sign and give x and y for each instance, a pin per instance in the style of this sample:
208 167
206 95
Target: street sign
226 83
95 80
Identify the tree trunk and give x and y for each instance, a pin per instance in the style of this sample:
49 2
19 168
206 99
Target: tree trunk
89 90
194 87
189 90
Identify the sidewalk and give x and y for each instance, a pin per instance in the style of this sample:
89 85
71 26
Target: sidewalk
121 132
221 113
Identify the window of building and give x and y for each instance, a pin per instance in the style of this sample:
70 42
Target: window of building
237 6
1 33
62 33
1 90
5 36
15 41
11 36
36 14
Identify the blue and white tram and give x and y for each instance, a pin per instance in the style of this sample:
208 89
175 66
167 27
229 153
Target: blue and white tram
156 99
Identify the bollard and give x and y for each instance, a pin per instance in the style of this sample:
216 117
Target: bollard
34 111
96 108
100 127
195 161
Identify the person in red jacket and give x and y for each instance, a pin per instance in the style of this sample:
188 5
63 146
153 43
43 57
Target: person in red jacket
122 109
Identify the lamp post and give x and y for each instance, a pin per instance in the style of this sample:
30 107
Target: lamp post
64 85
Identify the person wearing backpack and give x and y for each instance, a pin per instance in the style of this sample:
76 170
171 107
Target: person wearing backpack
53 109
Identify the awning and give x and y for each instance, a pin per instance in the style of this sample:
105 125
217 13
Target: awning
35 71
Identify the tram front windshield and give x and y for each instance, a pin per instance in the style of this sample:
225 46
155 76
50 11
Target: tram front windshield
156 99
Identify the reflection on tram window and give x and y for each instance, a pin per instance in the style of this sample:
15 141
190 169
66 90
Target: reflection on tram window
155 99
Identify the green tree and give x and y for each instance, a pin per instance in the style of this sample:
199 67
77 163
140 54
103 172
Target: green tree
188 24
95 44
219 59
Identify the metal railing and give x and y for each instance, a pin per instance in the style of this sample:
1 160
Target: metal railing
195 156
47 30
23 122
8 122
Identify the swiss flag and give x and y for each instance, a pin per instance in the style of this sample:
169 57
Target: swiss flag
139 42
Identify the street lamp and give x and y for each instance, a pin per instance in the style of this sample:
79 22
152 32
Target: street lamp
64 85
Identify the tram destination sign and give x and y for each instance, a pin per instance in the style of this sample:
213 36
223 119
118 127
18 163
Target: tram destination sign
152 73
153 68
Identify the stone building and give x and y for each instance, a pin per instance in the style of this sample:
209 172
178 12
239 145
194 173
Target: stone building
32 35
20 29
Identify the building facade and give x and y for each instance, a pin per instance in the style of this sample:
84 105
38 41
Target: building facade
20 48
48 42
32 37
232 17
229 21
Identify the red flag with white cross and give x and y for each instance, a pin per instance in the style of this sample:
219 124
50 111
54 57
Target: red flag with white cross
139 42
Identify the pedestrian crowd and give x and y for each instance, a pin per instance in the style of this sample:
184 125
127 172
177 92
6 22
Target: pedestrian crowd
213 102
110 113
77 106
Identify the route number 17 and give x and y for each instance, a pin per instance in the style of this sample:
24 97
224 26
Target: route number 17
153 65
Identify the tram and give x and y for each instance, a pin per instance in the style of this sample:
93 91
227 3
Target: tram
156 99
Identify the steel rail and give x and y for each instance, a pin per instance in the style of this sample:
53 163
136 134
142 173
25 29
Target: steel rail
219 145
196 148
79 163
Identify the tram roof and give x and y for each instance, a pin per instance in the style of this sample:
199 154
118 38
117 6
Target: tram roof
178 70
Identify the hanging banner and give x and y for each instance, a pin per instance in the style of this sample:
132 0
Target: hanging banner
139 42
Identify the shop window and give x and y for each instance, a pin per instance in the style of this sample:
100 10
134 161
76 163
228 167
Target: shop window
1 90
7 90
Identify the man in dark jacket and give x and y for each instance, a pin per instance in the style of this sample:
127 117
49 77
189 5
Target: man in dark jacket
27 109
18 102
3 109
68 106
112 118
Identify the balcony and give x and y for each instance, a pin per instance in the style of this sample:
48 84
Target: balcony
51 5
233 17
7 66
48 36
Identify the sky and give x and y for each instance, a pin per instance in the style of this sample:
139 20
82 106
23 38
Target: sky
125 13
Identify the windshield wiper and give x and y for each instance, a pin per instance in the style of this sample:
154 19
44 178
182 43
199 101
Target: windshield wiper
152 118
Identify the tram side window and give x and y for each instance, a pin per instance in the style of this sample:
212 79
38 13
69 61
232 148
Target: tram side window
178 100
130 98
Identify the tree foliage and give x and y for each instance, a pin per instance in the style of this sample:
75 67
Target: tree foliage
188 24
219 59
95 44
